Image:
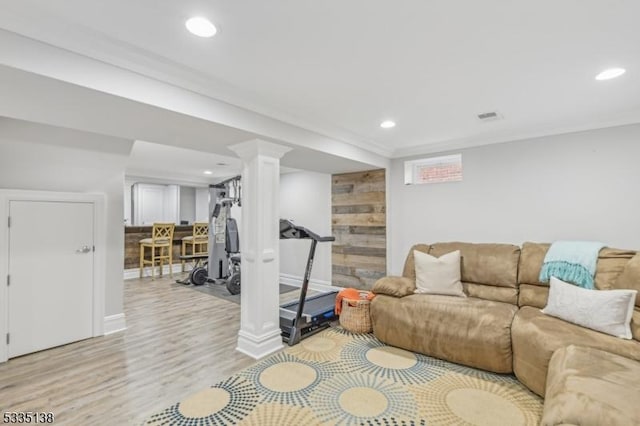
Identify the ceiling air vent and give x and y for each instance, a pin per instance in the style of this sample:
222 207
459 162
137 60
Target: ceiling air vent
489 116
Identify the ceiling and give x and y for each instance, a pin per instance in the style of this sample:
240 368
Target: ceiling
179 165
32 98
340 68
184 166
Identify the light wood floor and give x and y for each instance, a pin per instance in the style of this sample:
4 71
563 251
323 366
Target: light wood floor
178 341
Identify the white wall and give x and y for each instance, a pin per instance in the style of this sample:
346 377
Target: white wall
171 204
187 203
202 204
37 157
574 186
305 198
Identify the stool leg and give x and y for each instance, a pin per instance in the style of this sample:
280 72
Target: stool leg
153 262
170 248
183 252
141 260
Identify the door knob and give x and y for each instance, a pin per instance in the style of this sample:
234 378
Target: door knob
84 249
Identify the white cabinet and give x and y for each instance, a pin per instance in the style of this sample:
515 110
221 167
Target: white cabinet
155 203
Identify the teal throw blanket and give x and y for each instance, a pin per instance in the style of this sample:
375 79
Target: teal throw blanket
571 261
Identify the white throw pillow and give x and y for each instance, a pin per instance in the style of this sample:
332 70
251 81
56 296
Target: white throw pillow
438 275
607 311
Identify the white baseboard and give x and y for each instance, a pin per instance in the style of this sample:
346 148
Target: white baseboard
135 272
258 347
314 284
114 323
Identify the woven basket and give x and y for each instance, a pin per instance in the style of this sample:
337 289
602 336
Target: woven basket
355 316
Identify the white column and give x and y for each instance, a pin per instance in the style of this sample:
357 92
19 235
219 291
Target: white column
259 333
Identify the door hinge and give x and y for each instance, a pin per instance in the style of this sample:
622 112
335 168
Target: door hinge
94 248
8 280
8 339
8 221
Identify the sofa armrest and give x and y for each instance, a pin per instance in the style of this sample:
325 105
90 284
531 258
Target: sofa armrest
394 286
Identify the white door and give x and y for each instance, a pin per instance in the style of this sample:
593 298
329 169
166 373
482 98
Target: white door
51 261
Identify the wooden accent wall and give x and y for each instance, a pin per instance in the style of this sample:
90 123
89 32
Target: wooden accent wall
133 235
358 220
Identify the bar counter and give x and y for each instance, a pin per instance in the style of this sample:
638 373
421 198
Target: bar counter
133 235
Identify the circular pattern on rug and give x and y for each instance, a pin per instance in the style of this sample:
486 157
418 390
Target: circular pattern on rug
227 402
468 403
287 379
357 398
323 347
205 402
391 357
392 421
363 402
278 414
373 357
455 398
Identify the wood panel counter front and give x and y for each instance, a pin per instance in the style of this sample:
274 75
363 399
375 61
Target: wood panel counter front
133 235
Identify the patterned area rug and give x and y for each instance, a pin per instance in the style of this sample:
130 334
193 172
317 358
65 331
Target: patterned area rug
339 378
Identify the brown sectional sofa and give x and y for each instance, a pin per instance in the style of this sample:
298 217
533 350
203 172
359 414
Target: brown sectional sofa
499 327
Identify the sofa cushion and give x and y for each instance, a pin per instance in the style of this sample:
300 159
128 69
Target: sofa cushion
607 311
533 295
611 263
535 336
531 260
488 264
468 331
490 292
409 269
630 277
394 286
438 275
587 386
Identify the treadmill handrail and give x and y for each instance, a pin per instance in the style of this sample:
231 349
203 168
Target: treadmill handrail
288 230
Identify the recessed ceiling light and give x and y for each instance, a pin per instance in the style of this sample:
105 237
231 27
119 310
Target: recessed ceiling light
208 172
610 73
387 124
201 27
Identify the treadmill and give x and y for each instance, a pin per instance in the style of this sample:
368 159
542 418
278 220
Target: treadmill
307 316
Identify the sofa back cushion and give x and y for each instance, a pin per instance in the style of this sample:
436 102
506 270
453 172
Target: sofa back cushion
409 270
489 271
616 269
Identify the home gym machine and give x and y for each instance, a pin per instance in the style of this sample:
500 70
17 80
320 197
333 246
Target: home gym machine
224 246
310 315
223 260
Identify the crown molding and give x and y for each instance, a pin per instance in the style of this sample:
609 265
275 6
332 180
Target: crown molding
474 142
155 177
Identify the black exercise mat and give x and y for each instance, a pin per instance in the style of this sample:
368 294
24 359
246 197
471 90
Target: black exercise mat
220 290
